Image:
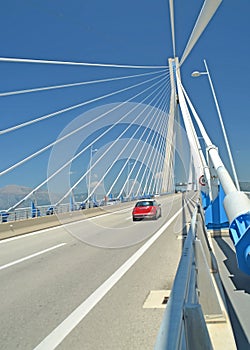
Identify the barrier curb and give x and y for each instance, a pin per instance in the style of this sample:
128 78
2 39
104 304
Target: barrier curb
21 227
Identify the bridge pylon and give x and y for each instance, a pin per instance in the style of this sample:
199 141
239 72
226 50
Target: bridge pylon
168 169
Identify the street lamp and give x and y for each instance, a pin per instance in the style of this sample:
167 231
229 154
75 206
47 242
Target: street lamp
92 151
198 74
129 163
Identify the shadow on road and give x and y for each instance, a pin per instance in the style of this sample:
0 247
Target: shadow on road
240 280
239 334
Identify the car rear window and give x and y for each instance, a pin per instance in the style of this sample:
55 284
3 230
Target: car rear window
144 204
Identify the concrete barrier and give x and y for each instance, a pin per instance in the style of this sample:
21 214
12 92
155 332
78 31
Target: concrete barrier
20 227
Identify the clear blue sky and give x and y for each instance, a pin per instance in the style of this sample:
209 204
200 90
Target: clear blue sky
129 32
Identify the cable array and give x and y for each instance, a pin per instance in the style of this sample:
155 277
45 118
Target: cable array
143 127
113 145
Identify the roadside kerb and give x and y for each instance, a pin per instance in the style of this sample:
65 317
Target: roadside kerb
20 227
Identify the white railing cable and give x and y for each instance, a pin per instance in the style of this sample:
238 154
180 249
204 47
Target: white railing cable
160 121
71 63
68 162
149 177
35 154
149 126
70 85
171 8
147 159
157 169
149 154
151 158
145 144
50 115
127 144
86 173
207 12
104 153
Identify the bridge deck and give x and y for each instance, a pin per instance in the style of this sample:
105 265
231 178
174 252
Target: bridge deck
39 293
237 290
49 274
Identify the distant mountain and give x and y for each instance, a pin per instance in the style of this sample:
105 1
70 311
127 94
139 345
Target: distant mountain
12 194
14 189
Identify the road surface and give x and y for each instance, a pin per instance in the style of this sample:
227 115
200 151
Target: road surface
83 285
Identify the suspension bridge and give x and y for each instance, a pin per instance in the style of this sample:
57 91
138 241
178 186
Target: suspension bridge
180 282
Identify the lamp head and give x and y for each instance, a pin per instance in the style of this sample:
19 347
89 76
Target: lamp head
195 74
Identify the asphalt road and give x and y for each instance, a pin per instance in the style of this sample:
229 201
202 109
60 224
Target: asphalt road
83 286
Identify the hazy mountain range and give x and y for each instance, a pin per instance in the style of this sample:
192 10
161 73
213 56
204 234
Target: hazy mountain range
12 194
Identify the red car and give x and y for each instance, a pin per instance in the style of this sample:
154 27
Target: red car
146 209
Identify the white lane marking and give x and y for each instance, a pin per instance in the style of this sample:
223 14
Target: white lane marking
29 234
64 328
31 256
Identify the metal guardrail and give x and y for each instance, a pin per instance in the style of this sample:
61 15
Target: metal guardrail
43 210
193 299
27 212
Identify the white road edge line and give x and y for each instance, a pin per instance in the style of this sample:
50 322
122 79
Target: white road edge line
31 256
64 328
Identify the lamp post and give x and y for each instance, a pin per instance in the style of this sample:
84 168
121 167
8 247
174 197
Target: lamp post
129 163
197 74
92 151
